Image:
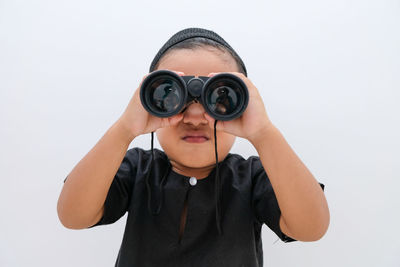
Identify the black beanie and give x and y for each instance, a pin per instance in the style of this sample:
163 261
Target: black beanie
192 33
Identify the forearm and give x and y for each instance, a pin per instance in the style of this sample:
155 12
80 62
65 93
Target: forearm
86 187
302 202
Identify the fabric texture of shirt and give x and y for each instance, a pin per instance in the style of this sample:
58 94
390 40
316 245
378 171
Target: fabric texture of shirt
247 202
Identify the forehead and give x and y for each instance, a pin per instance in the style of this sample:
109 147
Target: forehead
199 61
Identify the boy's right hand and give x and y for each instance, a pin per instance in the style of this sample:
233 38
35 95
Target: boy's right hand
136 120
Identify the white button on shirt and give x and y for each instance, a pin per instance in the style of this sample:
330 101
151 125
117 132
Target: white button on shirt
192 181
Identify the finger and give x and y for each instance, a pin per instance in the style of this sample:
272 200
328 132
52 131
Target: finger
180 73
211 122
241 75
144 77
164 122
174 120
244 78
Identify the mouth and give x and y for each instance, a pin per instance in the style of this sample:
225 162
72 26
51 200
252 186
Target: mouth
195 138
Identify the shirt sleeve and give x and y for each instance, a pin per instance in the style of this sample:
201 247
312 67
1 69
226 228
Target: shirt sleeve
265 204
120 191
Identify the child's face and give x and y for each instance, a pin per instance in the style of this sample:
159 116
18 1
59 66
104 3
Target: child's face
187 156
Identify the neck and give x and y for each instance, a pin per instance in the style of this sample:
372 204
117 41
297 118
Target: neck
199 173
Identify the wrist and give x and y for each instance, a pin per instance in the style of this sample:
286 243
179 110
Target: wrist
262 134
124 130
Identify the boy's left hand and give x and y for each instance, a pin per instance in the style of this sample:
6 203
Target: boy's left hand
254 120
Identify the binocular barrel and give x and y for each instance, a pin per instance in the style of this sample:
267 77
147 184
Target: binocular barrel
164 93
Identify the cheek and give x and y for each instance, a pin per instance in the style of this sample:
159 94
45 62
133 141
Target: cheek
225 142
165 136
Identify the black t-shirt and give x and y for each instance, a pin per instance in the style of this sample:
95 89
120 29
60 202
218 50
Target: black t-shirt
247 202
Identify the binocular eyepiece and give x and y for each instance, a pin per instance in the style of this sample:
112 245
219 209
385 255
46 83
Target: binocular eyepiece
164 93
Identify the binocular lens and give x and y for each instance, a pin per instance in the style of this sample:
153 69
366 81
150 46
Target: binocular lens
224 97
164 95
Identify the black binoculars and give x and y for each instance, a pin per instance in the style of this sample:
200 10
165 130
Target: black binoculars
164 93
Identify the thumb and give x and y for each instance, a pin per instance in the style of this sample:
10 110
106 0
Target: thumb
174 120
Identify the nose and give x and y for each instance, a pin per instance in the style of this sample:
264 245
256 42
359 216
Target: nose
194 114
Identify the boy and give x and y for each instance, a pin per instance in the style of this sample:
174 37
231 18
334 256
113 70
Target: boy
176 216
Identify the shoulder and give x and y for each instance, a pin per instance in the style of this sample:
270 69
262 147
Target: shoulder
139 154
244 176
141 159
240 172
239 164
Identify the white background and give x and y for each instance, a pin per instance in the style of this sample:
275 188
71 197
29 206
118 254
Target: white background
328 72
